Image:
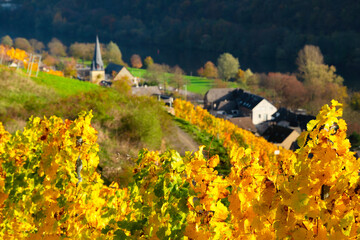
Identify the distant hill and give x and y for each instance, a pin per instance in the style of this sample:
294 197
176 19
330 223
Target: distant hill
257 28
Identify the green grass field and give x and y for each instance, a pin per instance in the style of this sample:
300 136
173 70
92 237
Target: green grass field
195 84
87 62
199 85
62 85
137 72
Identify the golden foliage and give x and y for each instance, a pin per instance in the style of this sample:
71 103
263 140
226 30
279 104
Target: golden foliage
49 187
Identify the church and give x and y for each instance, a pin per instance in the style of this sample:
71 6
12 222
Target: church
97 71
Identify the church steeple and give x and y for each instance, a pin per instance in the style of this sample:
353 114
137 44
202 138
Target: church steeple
97 72
97 63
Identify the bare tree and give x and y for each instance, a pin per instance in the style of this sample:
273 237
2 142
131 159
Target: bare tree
56 48
82 51
156 74
36 45
177 78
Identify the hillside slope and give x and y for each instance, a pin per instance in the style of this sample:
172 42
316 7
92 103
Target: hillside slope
125 123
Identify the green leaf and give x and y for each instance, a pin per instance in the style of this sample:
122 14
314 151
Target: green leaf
36 197
177 163
159 188
132 226
346 223
105 230
161 233
61 201
119 235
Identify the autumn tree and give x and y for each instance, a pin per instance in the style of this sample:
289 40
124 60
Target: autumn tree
122 85
113 54
308 55
254 80
209 70
70 68
321 81
23 43
56 48
243 76
218 83
228 66
36 45
136 61
49 60
312 69
148 61
156 74
7 41
177 79
84 51
289 91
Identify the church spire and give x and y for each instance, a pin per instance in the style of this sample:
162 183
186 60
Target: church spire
97 63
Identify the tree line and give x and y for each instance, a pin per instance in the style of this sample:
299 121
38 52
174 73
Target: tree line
64 58
256 29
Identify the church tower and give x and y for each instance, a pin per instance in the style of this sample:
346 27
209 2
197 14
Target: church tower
97 72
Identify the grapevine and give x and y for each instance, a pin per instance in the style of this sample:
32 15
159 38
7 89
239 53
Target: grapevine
50 189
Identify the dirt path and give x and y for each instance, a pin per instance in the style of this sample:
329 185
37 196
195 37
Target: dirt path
182 141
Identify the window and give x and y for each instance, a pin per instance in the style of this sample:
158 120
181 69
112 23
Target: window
259 115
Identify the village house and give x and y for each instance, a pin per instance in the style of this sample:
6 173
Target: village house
281 136
238 103
257 107
295 120
215 96
146 91
255 114
117 72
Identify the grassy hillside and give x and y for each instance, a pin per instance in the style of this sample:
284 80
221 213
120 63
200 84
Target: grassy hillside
125 123
64 86
16 90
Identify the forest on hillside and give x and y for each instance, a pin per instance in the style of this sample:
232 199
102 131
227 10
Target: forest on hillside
252 29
